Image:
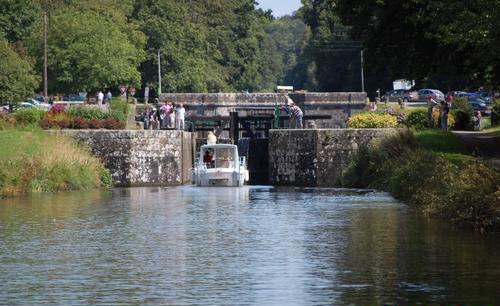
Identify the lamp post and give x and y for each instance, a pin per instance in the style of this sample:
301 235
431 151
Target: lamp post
362 73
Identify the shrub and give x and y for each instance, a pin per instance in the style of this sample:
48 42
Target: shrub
113 124
119 110
495 113
64 123
462 112
467 194
436 117
372 120
417 119
47 123
79 123
29 116
94 124
87 112
57 108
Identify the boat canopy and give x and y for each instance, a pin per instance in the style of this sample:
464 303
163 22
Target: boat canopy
219 156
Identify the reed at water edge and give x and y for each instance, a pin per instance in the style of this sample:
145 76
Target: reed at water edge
33 161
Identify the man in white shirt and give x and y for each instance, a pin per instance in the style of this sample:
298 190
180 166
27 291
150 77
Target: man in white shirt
180 113
100 98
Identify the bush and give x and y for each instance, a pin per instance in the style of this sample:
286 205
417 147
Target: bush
462 112
113 124
417 119
119 110
88 113
436 117
94 124
57 108
372 120
79 123
495 113
47 123
29 116
467 194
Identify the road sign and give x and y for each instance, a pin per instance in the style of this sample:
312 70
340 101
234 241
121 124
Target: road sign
132 91
123 89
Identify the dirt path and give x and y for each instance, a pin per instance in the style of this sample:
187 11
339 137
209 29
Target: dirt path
482 144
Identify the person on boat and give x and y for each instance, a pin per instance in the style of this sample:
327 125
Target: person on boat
211 138
208 159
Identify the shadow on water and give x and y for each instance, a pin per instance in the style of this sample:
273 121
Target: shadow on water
255 245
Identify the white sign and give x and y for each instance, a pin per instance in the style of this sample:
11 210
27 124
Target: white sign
146 94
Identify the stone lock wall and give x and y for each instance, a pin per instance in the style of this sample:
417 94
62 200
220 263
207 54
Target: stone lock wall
339 105
141 158
315 158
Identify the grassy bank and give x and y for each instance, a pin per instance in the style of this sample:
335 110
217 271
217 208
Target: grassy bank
430 170
32 161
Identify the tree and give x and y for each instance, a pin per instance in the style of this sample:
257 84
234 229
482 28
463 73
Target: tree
429 41
18 19
17 80
90 50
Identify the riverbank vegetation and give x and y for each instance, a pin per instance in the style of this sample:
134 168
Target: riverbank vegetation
429 170
32 161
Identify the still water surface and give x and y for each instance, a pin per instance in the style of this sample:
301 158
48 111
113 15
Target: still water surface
237 246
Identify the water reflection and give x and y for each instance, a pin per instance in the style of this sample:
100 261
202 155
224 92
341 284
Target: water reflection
245 246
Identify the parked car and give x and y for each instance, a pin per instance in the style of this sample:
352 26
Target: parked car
479 105
424 94
73 99
403 94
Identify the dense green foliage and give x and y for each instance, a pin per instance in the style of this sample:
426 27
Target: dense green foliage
33 161
17 81
495 113
467 194
29 116
462 111
417 119
427 39
229 45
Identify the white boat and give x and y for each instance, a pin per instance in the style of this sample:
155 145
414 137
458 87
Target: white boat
220 165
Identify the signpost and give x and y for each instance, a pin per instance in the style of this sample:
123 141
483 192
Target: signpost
146 94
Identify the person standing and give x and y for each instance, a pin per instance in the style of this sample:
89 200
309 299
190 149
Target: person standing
109 96
445 110
297 115
100 98
430 108
476 119
171 116
180 113
164 111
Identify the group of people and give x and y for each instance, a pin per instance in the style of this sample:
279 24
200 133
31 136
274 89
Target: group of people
444 110
166 116
103 98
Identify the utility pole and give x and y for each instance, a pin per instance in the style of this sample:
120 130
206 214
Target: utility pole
45 86
362 73
159 74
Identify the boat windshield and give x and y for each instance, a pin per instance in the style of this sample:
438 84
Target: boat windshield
224 157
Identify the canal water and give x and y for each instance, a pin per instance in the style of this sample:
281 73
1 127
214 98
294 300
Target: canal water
237 246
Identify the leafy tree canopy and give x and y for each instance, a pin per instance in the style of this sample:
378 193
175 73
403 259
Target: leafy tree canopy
17 80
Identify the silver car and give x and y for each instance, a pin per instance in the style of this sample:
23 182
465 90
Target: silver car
424 94
403 94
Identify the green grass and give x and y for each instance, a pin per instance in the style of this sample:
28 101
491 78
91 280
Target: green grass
444 144
33 161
